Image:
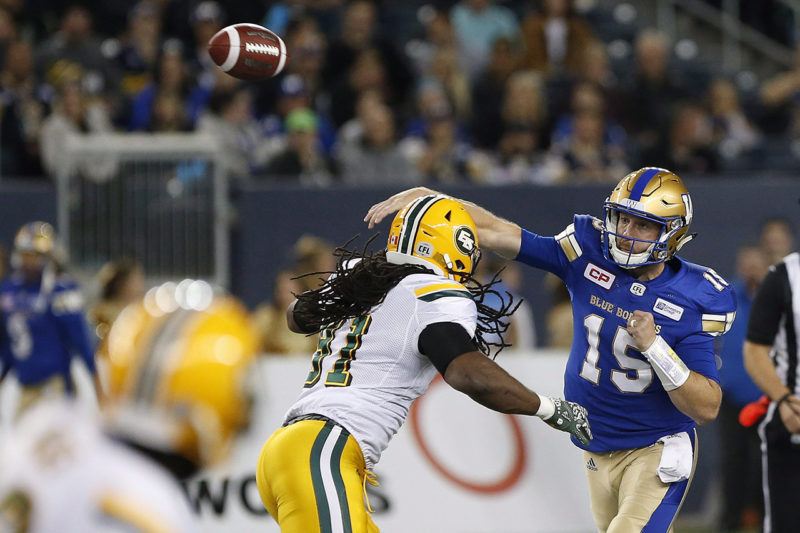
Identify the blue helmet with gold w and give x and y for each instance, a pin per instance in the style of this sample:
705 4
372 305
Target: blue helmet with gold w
654 194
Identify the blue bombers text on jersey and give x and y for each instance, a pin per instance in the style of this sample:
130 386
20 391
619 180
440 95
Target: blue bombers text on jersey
691 304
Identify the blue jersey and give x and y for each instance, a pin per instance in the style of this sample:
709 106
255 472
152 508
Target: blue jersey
691 304
43 329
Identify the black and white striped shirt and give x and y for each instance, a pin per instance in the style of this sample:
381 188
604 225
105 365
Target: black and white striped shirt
775 318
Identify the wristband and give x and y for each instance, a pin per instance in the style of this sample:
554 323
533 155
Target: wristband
546 408
783 398
670 368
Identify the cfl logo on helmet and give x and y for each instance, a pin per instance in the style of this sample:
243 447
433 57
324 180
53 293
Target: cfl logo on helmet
465 240
424 249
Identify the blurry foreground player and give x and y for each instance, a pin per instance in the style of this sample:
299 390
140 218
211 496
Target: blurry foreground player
388 321
44 324
179 361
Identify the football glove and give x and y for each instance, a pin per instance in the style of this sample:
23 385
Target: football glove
572 418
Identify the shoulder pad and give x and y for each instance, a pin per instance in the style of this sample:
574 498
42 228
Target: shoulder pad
430 287
717 302
442 290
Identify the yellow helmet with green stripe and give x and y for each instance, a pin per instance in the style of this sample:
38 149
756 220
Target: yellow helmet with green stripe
437 232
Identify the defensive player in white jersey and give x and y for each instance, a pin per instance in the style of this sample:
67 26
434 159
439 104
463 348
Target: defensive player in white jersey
389 321
178 361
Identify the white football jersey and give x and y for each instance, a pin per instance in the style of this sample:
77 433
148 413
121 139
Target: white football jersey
58 472
368 371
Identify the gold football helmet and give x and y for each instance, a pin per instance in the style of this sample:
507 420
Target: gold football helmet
437 232
178 367
38 237
655 194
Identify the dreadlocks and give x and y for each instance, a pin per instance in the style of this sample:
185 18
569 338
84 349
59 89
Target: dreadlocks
361 280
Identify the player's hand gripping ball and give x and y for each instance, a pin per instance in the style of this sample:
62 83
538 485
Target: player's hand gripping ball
248 51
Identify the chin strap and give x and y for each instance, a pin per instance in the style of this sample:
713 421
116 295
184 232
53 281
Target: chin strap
685 239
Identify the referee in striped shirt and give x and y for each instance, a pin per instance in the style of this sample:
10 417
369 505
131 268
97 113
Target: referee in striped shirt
771 358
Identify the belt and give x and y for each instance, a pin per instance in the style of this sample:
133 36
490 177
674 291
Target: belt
310 416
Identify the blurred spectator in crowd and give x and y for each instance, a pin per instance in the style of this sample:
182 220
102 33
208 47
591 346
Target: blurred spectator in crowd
445 68
302 160
314 255
733 132
172 80
521 333
76 45
440 156
176 406
586 156
477 24
489 90
22 112
229 118
589 98
8 33
140 48
169 114
368 73
120 283
270 319
439 35
519 160
206 20
647 103
362 58
776 239
781 97
556 39
302 80
740 448
559 315
293 95
376 159
689 148
75 111
44 324
523 104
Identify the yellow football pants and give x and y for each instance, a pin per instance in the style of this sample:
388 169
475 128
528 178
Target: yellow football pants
311 477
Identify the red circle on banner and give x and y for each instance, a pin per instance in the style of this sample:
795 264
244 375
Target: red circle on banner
492 487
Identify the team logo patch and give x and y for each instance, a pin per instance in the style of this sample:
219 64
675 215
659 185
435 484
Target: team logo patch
465 240
424 249
638 289
669 310
597 275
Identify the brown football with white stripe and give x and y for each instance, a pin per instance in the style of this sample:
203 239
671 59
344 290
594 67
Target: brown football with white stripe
248 51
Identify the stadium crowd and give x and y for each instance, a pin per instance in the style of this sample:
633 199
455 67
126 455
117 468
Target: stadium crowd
403 92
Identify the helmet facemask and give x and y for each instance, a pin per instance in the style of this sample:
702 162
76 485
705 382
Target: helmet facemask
656 251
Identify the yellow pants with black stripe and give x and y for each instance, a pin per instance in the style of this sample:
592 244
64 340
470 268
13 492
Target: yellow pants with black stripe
311 477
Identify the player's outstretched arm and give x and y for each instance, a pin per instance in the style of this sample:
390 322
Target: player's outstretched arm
487 383
494 233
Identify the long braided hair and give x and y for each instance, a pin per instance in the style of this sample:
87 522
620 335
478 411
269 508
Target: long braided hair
361 280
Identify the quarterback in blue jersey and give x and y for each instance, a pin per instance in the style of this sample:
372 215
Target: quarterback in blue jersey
43 319
642 358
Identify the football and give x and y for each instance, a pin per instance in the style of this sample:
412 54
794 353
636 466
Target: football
248 51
